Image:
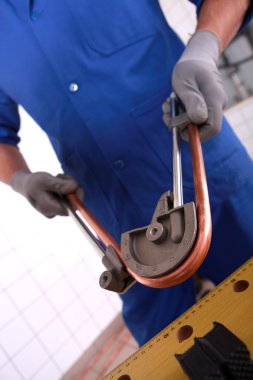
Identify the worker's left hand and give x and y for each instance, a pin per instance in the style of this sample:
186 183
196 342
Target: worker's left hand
44 191
197 82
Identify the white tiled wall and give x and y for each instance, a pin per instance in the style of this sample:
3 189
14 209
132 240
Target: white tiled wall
241 117
51 307
181 16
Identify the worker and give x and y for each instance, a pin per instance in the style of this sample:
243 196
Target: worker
94 75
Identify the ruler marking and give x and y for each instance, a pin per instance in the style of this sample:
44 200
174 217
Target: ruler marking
165 332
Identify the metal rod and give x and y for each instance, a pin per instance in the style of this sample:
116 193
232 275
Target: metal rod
88 223
177 165
85 227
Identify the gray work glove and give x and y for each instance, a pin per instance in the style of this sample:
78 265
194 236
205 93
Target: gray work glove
42 190
197 82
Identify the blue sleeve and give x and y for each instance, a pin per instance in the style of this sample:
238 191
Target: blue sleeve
247 19
9 120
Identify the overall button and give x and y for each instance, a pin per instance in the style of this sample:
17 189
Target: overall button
119 164
73 87
36 14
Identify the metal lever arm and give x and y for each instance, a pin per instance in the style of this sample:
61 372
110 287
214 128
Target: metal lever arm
90 224
177 165
116 276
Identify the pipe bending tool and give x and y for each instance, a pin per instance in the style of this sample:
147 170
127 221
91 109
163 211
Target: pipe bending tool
170 249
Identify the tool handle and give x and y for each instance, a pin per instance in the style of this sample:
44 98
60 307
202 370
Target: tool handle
88 223
177 166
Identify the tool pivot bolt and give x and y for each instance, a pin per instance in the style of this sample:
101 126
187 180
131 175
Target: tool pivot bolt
156 233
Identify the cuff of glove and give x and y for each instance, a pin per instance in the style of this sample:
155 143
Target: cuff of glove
204 43
19 181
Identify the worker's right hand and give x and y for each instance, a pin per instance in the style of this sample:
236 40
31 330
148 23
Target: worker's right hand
42 190
198 84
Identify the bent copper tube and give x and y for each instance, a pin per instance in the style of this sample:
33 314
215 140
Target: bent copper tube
192 262
195 258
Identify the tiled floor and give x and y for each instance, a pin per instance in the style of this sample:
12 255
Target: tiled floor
113 346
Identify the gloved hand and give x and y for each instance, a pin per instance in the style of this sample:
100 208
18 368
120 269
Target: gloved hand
41 190
197 82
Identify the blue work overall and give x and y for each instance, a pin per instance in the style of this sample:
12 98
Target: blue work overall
94 74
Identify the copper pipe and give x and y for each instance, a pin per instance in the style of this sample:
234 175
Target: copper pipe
193 261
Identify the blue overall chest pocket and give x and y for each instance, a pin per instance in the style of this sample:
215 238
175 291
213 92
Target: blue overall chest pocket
111 25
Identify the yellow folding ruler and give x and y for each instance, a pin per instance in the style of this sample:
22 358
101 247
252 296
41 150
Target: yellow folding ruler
230 303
